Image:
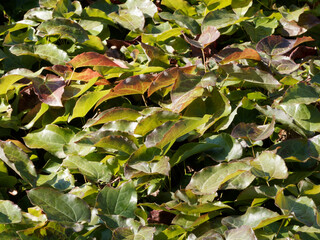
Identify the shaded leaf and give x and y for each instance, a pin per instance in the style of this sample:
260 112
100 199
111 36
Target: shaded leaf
59 206
156 56
243 232
277 45
118 143
18 161
66 28
94 171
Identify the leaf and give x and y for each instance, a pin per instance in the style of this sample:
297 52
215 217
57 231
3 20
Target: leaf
10 213
156 56
300 93
66 28
154 120
49 52
241 7
50 89
181 5
7 81
284 65
91 59
18 161
208 36
132 19
85 103
247 53
220 18
252 218
303 208
209 179
269 165
113 114
200 208
61 180
243 232
251 131
146 6
51 138
306 116
169 132
38 14
251 77
277 45
182 20
167 78
129 86
118 143
59 206
120 201
95 171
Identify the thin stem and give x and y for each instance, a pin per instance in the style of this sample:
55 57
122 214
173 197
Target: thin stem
204 60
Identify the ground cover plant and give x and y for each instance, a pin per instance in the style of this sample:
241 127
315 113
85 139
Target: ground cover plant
140 119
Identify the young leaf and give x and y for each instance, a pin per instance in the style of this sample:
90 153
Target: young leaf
59 206
247 53
89 59
50 89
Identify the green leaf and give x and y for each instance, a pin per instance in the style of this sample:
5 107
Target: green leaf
181 5
66 28
303 208
94 171
120 201
61 180
132 19
146 6
59 206
118 143
85 103
220 19
252 218
38 14
270 166
18 161
49 52
51 138
10 213
209 179
200 208
154 120
113 114
300 93
47 3
251 77
156 56
169 132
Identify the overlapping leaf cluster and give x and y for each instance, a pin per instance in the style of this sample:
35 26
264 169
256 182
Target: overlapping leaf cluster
163 119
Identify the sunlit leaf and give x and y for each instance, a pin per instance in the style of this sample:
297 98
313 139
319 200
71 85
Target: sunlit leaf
300 93
91 59
209 179
132 19
182 5
118 201
243 232
10 213
247 53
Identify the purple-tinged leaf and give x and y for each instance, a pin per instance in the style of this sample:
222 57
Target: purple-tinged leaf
277 45
49 90
89 59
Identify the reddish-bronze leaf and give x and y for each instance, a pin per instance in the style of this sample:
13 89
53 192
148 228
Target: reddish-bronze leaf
167 78
129 86
91 59
247 53
86 75
50 89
